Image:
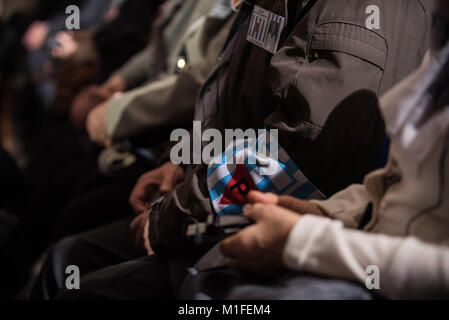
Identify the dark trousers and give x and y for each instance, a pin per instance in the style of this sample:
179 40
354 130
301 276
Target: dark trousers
112 268
210 279
67 194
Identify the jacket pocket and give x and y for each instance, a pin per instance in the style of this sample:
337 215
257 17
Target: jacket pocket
351 39
336 87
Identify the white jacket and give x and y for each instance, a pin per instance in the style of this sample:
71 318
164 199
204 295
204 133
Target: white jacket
407 237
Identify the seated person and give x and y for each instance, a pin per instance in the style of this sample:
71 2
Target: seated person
39 38
70 194
100 52
12 201
247 85
397 221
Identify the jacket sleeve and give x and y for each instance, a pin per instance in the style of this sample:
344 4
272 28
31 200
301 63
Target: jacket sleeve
153 105
135 71
408 268
328 119
187 204
164 102
347 206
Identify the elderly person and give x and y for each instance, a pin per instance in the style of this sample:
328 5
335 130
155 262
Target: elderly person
396 224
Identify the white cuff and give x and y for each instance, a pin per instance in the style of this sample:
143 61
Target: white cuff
301 239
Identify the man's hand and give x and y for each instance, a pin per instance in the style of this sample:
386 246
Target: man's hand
114 85
140 227
93 96
258 248
287 202
162 180
96 125
82 104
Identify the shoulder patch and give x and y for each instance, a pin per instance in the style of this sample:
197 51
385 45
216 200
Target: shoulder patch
265 29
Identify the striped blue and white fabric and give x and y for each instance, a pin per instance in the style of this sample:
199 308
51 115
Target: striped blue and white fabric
265 29
241 169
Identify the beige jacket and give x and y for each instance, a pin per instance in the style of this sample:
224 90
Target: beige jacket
197 34
407 236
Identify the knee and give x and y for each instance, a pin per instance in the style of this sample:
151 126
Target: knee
52 277
64 253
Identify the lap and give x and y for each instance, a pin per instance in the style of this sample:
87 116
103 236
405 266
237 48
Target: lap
90 251
146 278
210 279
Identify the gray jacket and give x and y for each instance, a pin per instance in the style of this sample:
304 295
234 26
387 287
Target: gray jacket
320 90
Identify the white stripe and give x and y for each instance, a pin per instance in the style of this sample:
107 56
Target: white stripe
218 174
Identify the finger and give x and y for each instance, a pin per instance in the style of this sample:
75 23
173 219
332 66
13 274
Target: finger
146 237
255 212
150 192
229 247
146 177
179 174
167 182
137 201
134 224
293 204
142 193
239 245
264 198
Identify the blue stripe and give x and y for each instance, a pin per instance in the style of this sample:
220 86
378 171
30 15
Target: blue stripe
290 167
219 188
232 210
266 186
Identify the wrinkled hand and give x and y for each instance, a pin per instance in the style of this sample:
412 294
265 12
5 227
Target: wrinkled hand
162 180
35 36
96 125
67 45
287 202
140 228
93 96
258 248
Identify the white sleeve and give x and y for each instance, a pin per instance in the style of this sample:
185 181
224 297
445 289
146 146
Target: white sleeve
409 268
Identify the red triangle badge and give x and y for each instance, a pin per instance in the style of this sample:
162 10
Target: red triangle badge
238 188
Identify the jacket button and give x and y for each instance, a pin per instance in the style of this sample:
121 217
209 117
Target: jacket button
182 63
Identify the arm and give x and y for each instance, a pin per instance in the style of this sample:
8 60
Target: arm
159 103
135 71
409 268
156 104
328 120
347 206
